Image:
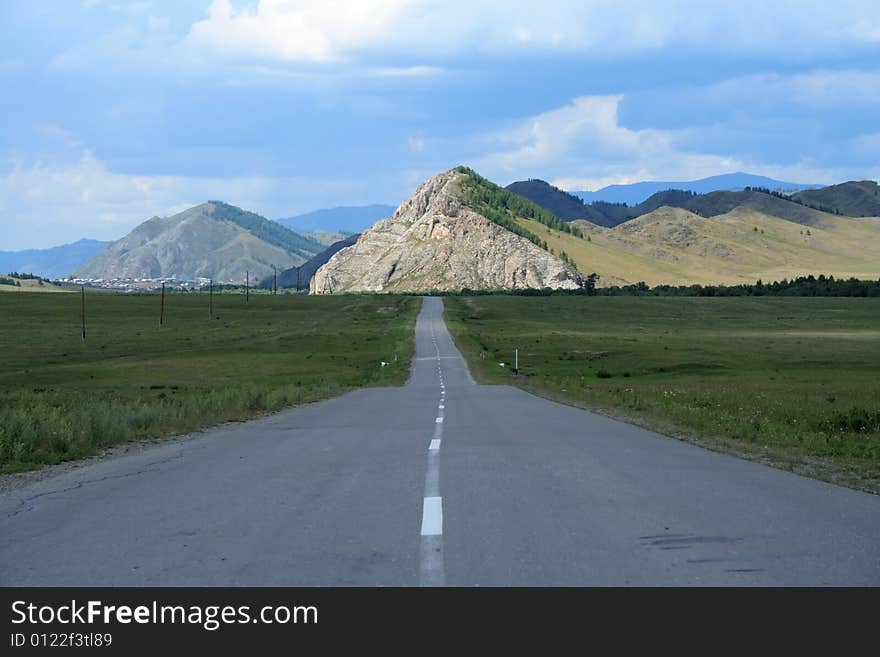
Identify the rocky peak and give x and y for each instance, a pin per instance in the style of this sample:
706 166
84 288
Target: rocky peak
436 241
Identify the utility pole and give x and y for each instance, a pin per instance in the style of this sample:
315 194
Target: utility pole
162 311
247 287
274 279
211 297
83 287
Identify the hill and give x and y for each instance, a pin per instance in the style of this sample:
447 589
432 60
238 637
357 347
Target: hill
717 203
853 199
56 262
27 283
347 219
674 246
298 278
328 238
562 204
635 193
457 231
212 240
710 204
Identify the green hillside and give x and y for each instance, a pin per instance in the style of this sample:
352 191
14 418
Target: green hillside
854 199
676 247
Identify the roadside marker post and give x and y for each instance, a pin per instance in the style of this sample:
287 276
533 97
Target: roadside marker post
515 360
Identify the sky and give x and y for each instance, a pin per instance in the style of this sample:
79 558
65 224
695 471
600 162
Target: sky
113 111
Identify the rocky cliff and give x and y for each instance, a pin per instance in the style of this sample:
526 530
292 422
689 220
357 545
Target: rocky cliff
437 241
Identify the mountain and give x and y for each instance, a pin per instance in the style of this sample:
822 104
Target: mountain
673 246
562 204
456 231
297 278
711 204
211 240
635 193
56 262
328 238
853 199
347 219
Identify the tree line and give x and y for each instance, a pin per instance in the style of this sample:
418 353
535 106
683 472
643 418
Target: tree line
772 192
802 286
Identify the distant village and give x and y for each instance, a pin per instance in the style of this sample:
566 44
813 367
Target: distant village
139 284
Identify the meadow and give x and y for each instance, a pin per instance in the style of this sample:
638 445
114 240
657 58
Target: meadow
790 381
62 397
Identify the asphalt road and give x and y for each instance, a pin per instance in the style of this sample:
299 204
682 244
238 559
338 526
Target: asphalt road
438 482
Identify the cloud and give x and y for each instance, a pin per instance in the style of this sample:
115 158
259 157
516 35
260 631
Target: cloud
51 204
818 90
310 30
583 145
333 30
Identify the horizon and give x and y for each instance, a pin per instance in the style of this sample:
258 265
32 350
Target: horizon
341 207
127 111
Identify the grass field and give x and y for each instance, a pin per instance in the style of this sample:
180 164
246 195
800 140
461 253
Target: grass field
792 381
62 397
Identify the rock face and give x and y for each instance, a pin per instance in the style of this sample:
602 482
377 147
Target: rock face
434 241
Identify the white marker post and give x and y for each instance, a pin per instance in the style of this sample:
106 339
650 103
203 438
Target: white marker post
515 361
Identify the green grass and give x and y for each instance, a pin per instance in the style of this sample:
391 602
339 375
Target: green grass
63 398
792 381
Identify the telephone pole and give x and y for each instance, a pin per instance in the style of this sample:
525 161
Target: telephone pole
162 307
247 287
211 297
274 280
83 288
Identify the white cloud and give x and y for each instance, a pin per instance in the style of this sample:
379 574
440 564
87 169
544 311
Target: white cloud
45 205
332 30
585 146
312 30
582 146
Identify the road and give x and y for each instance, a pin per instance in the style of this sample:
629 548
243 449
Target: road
438 482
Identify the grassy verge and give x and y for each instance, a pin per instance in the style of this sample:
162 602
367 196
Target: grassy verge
63 398
790 381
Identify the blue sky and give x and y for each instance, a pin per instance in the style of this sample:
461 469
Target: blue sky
116 111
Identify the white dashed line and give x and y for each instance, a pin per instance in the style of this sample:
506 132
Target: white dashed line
431 568
432 516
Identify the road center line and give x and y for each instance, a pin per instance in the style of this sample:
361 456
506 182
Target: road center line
435 445
432 516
